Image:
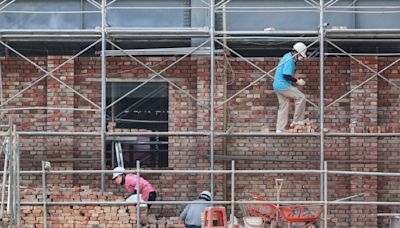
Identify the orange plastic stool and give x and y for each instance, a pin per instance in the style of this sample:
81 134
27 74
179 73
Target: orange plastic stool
219 213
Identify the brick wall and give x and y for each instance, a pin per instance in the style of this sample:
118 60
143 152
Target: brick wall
388 147
374 104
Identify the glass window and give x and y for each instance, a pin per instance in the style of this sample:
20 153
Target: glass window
145 109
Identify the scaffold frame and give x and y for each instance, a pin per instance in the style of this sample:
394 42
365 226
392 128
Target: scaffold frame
104 35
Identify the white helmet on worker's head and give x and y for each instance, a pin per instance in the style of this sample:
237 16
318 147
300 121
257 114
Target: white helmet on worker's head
206 195
118 171
301 48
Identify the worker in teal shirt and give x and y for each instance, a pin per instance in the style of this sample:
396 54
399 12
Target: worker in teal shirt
284 79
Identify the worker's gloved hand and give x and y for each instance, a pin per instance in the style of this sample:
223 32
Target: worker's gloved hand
300 82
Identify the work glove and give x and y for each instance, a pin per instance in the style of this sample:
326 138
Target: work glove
300 82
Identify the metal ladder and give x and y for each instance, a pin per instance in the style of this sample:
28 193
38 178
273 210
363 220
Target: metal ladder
118 154
11 178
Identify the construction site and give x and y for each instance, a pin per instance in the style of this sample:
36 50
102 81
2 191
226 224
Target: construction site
181 95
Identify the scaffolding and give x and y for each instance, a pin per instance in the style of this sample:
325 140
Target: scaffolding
11 176
213 41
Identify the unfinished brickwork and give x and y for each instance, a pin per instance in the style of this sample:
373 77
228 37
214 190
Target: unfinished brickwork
373 107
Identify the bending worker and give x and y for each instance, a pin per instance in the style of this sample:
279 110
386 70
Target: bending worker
285 78
129 182
193 211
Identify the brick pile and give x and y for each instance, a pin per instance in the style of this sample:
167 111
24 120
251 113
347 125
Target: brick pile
85 216
380 129
111 127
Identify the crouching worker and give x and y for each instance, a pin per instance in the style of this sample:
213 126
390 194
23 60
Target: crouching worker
193 211
147 191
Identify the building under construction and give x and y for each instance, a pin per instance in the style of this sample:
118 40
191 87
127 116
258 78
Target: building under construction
180 92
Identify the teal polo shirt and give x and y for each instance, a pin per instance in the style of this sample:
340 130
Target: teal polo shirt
286 67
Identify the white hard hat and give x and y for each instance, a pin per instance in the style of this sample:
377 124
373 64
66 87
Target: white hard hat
118 171
301 48
205 195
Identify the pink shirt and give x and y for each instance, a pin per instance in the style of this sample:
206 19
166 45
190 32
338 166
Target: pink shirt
145 186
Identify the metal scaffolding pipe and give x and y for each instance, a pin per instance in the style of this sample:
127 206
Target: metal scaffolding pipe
138 225
364 7
291 32
362 54
263 134
269 11
282 171
3 186
364 12
169 133
212 78
110 3
65 172
325 187
107 203
267 38
48 108
342 134
47 12
53 31
103 90
155 7
218 134
321 108
312 3
270 7
361 31
2 2
6 5
163 202
232 190
95 4
364 173
44 194
48 133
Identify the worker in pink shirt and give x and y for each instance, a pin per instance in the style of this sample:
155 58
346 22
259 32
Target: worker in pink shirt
129 182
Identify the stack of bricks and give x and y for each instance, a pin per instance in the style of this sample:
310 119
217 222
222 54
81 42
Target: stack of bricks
382 129
303 129
175 222
307 128
130 130
85 215
112 127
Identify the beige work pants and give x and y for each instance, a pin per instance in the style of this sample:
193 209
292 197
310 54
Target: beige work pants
283 113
